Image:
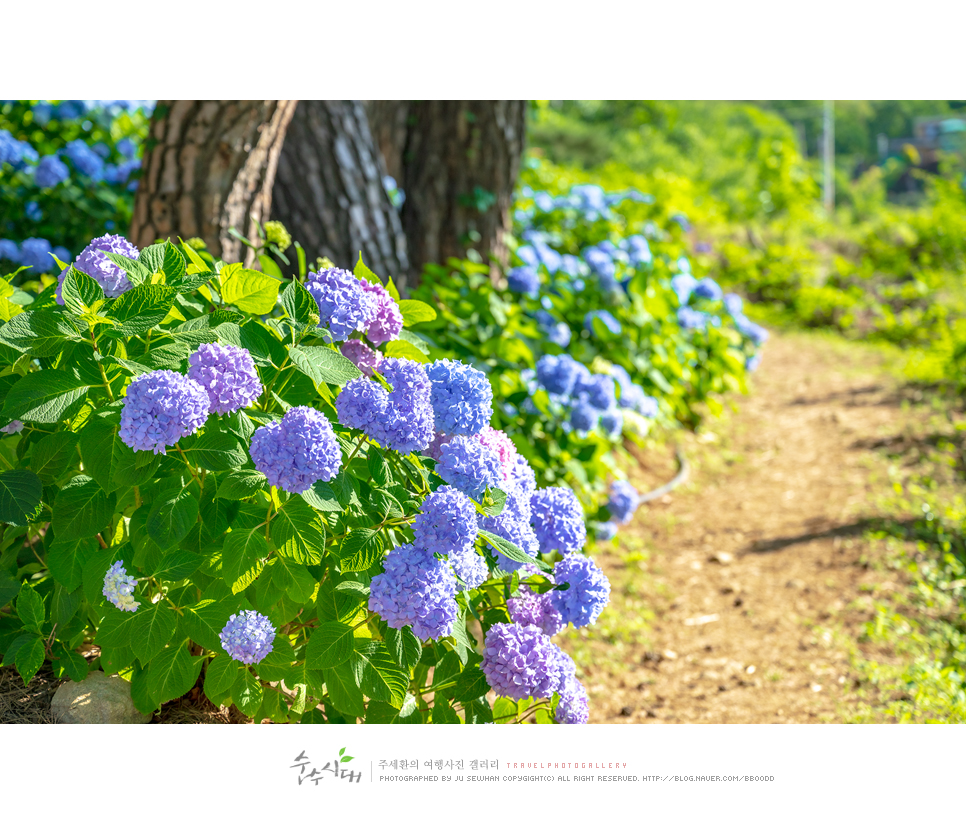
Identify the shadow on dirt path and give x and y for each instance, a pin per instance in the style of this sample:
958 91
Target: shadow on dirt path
751 568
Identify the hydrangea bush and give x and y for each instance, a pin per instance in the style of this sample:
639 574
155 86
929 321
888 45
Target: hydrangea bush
204 484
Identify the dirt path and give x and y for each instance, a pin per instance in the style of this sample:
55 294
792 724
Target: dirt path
753 569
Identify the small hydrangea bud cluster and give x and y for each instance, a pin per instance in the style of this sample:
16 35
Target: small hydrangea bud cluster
556 331
227 374
297 451
415 589
119 588
93 261
624 500
348 304
248 637
277 234
400 420
161 408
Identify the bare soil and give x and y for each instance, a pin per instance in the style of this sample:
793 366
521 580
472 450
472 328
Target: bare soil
755 574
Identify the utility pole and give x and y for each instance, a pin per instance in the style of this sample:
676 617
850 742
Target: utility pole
828 156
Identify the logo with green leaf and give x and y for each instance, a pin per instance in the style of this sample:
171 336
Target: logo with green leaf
343 758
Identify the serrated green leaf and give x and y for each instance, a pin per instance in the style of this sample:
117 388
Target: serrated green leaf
20 495
116 629
241 484
331 644
80 292
242 555
171 517
360 549
298 533
152 628
45 397
29 659
342 687
382 679
248 290
509 549
205 620
109 461
220 676
247 693
298 303
378 468
403 349
52 455
140 308
416 311
178 565
65 604
136 271
321 497
39 333
323 365
404 646
173 672
81 509
220 451
30 609
71 662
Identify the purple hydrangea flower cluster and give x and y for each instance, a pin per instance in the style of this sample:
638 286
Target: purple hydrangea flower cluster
248 637
469 466
612 423
386 320
757 334
462 397
119 587
402 419
297 451
519 661
588 593
13 427
93 261
415 589
161 408
558 520
531 608
51 172
689 318
624 500
344 304
366 360
446 523
227 374
9 250
584 417
470 568
573 707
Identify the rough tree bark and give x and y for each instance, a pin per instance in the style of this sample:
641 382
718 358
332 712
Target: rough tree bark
388 123
459 166
209 166
329 192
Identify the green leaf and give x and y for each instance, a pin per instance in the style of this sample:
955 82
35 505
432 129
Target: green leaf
382 679
378 468
415 340
171 517
342 687
220 451
95 567
152 628
363 272
81 510
192 282
471 684
278 662
404 646
178 565
140 308
298 533
298 303
393 291
116 629
9 588
401 348
241 558
416 311
136 271
241 484
220 676
65 604
360 549
164 258
173 672
330 645
250 291
109 461
144 698
45 397
321 497
205 621
20 495
443 712
80 292
494 503
508 549
30 609
39 333
52 455
29 659
71 662
323 365
504 710
247 693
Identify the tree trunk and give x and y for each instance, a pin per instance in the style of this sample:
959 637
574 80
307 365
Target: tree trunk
460 164
209 166
329 191
388 122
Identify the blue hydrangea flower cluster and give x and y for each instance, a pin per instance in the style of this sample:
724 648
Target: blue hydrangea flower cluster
93 261
13 427
573 707
589 590
624 500
227 374
531 608
708 289
524 279
519 661
446 523
558 520
469 466
35 253
51 172
297 451
682 285
415 589
14 152
161 408
608 319
344 304
84 159
606 531
248 637
119 588
556 331
557 373
462 397
470 568
402 419
385 321
690 318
